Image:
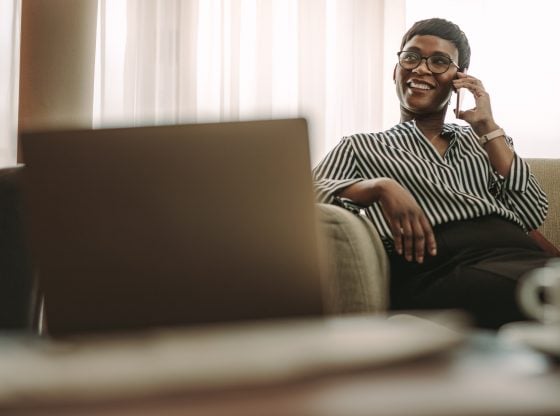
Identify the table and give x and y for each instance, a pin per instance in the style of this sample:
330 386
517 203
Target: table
485 375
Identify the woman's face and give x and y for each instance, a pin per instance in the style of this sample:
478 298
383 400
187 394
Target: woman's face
419 90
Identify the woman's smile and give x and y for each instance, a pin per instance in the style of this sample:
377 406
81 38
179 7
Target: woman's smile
417 84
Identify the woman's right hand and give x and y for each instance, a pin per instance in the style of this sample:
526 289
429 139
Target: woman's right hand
412 232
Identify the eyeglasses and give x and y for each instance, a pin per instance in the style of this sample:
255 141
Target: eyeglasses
437 64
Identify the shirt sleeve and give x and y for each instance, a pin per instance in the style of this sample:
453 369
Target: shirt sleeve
522 192
335 172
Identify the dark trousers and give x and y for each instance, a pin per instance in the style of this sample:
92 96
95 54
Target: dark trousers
477 269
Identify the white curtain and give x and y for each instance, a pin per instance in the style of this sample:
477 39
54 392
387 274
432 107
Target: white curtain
169 61
10 12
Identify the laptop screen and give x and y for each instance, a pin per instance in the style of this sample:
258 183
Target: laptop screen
172 225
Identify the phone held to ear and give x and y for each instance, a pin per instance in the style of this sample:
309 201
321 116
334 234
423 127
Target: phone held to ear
459 98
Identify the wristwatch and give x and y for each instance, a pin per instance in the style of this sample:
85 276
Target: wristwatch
348 204
485 138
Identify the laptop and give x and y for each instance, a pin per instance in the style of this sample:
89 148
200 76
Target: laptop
132 228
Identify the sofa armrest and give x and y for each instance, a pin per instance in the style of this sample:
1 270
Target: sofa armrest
358 266
547 172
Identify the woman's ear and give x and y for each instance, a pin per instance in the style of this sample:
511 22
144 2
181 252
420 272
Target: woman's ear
395 74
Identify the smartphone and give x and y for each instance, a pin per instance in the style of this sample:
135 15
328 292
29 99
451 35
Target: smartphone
459 98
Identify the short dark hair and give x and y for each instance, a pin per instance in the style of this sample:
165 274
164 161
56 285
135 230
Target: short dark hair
442 29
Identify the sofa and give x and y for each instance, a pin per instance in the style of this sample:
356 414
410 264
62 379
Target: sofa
358 279
357 265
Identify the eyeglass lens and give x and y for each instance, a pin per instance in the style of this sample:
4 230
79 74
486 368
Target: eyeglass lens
436 63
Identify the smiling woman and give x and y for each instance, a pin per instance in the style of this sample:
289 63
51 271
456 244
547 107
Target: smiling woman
420 55
451 203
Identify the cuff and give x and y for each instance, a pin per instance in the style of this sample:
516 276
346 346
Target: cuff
518 177
327 189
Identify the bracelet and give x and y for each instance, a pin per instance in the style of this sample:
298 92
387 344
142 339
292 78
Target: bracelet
485 138
348 204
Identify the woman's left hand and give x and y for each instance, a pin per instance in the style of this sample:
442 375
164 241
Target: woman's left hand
480 117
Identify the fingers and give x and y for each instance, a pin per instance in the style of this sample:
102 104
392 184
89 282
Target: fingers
464 78
474 85
419 242
482 112
467 114
476 90
408 237
412 232
431 245
413 238
397 232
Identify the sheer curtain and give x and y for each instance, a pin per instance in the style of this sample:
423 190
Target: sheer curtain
169 61
10 11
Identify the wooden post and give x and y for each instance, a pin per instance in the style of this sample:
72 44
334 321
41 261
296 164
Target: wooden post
56 64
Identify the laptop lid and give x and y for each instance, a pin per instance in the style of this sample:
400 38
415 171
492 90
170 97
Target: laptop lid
172 225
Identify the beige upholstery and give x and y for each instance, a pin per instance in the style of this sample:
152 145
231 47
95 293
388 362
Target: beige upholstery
358 264
547 171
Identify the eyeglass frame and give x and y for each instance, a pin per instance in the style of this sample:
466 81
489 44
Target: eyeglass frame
427 64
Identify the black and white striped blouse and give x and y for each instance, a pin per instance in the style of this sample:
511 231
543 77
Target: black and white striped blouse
459 185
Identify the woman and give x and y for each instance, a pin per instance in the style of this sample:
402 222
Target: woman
452 203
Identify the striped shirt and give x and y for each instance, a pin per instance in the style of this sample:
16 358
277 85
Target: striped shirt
457 186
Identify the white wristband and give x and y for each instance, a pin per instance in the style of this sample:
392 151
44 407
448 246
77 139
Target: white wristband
491 136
